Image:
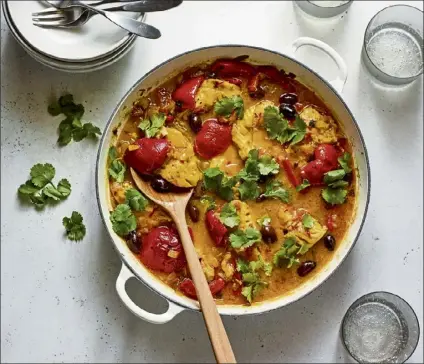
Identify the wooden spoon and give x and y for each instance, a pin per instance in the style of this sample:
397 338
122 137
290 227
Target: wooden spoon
175 204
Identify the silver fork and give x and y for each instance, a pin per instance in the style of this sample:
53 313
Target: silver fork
62 19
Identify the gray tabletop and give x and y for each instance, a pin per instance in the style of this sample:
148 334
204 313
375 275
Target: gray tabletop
58 301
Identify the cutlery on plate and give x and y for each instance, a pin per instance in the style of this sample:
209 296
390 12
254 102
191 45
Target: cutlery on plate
175 204
131 25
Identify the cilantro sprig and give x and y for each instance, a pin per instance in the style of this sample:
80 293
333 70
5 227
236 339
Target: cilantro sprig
256 166
123 220
208 201
40 190
71 128
229 216
216 181
116 167
251 279
275 189
289 251
153 125
242 239
305 184
227 105
74 226
278 127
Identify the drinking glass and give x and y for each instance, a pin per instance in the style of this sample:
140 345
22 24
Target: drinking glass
323 8
393 45
380 327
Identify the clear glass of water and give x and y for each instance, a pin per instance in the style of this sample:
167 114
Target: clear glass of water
380 327
393 45
324 8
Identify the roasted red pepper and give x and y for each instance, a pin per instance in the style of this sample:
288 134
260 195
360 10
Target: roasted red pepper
162 250
233 80
264 72
187 287
272 73
288 168
213 138
217 230
328 154
186 92
232 68
149 156
314 172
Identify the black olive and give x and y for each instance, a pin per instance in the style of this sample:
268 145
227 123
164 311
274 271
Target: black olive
261 198
195 122
329 242
193 212
268 234
133 242
312 124
285 231
258 94
288 98
306 268
288 111
159 184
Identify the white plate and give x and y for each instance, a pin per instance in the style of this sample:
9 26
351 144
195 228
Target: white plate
95 39
68 66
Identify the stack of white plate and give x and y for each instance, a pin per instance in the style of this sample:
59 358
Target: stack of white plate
93 46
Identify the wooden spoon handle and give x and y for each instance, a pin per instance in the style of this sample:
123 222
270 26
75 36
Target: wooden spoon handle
216 330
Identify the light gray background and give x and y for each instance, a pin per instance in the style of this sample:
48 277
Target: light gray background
58 301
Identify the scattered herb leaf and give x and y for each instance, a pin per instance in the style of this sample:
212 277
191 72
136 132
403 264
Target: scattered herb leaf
344 161
227 105
249 190
214 180
229 216
334 196
209 201
305 184
243 239
274 189
153 125
136 200
308 221
333 176
123 220
75 228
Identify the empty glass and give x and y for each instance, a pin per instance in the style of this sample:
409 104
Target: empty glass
380 327
323 8
393 45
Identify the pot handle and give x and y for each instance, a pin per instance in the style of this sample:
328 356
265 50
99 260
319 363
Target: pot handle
162 318
340 81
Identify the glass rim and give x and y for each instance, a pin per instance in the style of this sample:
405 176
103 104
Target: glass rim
365 45
384 293
330 7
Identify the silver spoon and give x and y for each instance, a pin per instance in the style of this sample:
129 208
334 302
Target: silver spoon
131 25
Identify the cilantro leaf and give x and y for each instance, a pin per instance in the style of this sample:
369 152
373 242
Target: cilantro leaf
117 170
52 192
251 278
334 196
64 187
75 228
333 176
229 216
38 199
209 201
66 100
41 174
249 190
298 131
78 134
122 219
339 183
153 125
275 125
113 153
28 188
344 161
305 184
242 266
247 292
274 189
308 221
256 166
227 105
243 239
264 220
91 130
54 108
65 132
214 180
135 199
287 252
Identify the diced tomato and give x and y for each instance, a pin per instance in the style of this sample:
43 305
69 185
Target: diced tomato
169 119
212 139
331 222
232 68
162 250
186 92
188 289
288 168
328 154
149 156
216 228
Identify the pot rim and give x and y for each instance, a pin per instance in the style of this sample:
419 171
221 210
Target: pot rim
137 85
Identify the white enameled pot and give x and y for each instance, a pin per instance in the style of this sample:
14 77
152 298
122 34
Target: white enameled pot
328 91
